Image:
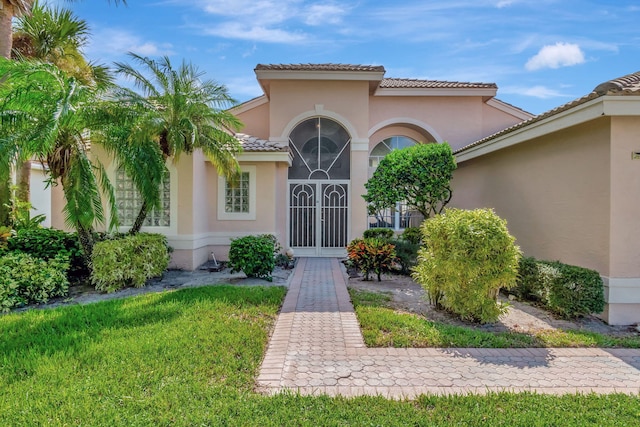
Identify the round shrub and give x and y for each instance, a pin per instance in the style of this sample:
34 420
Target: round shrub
253 255
128 261
412 235
468 256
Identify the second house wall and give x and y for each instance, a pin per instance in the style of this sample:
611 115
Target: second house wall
554 192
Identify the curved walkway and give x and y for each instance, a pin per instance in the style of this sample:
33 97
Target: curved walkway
317 348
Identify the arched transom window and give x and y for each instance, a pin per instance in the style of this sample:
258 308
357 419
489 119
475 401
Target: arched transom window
399 217
386 146
320 149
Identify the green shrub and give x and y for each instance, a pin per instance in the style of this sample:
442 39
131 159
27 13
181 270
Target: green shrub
253 255
529 284
406 254
47 243
371 255
468 256
379 233
26 279
128 261
413 235
567 290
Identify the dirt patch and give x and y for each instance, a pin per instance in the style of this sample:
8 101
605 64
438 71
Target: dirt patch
408 296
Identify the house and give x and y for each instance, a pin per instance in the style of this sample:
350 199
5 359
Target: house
567 181
310 143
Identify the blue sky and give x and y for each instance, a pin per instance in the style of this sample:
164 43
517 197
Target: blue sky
540 53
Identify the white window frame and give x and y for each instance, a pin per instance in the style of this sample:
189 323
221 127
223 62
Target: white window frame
223 215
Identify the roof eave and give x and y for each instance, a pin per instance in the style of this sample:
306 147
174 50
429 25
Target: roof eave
608 105
266 76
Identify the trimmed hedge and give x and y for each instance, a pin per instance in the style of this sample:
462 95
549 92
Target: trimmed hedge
468 256
25 279
566 290
254 255
379 233
128 261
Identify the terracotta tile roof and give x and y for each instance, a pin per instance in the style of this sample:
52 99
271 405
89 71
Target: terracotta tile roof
319 67
432 84
252 144
622 85
626 85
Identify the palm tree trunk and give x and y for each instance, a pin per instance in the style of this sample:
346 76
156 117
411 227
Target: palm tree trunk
142 215
23 193
6 14
85 237
5 200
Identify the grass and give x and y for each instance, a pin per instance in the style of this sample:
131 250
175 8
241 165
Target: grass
384 327
190 357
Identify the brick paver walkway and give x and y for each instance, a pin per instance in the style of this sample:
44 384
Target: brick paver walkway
317 348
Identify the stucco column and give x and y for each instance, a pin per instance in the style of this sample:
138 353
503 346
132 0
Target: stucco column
359 176
622 289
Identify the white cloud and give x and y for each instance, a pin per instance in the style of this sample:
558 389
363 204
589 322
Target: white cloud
111 42
236 30
556 56
323 14
504 3
271 21
539 91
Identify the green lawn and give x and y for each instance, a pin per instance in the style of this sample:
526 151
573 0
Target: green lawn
383 327
189 358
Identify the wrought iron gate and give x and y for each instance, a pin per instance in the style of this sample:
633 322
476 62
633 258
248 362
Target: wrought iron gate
318 217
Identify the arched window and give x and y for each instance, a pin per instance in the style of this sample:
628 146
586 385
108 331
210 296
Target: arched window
399 217
320 150
386 146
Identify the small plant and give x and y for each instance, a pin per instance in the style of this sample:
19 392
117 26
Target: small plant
406 254
468 256
379 233
26 279
129 261
371 255
21 216
253 255
5 233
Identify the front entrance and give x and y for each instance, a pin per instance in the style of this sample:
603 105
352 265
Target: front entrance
318 194
318 217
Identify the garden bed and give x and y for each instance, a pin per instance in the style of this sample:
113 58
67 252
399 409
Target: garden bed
401 294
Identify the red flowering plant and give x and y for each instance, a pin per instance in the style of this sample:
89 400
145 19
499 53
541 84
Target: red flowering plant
371 255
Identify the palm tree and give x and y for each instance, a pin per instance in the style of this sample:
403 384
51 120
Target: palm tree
17 8
8 10
181 112
56 36
50 115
